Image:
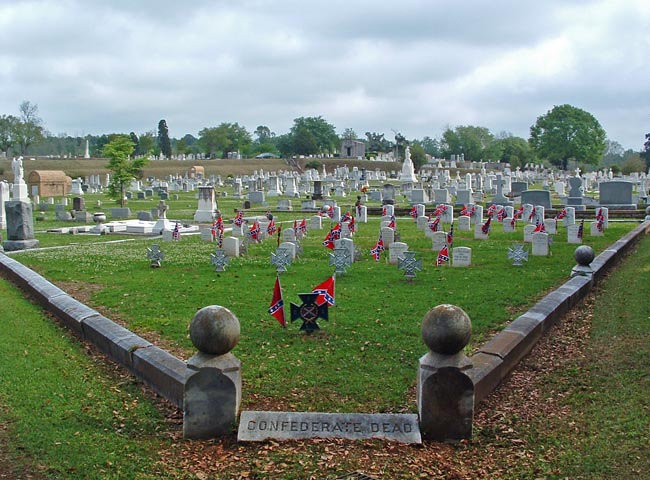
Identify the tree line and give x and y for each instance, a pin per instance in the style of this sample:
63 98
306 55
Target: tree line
564 134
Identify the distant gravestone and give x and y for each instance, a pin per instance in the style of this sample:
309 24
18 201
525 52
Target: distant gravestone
508 225
596 229
288 235
461 256
617 194
479 234
551 226
422 223
537 197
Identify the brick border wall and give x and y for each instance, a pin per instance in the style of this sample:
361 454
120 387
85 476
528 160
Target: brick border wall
166 374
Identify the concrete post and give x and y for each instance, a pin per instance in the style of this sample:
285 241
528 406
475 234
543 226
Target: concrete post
213 388
445 393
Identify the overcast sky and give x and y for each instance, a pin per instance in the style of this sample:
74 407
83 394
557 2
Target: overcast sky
416 67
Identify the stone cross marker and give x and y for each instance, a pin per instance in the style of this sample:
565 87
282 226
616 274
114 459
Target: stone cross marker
281 259
341 258
155 255
409 264
309 312
219 260
517 254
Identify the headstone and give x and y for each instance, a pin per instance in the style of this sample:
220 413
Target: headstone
231 246
20 226
316 223
540 244
289 235
596 229
409 264
617 194
4 197
388 235
438 240
576 191
207 205
537 197
463 223
528 233
479 234
508 225
396 250
573 233
570 218
362 214
290 247
461 256
551 226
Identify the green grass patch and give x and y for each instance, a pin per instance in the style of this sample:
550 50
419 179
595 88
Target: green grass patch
606 432
68 415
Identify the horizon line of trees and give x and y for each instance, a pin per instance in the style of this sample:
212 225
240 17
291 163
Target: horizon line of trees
564 134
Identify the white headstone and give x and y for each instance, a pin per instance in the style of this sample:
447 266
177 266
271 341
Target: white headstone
231 246
528 232
464 223
396 250
388 235
478 232
540 244
461 257
572 233
316 223
438 240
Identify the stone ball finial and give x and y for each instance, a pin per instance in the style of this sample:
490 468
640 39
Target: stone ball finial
446 329
214 330
584 255
647 210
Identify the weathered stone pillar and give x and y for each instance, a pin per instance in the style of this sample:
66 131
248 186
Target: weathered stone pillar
20 226
213 388
445 394
584 255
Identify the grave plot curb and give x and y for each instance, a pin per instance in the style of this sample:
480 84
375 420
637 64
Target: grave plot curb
166 374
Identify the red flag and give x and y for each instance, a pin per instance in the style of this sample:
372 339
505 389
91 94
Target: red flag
443 256
485 228
277 304
414 212
540 228
378 248
239 219
325 291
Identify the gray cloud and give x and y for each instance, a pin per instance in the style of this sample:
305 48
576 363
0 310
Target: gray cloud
415 66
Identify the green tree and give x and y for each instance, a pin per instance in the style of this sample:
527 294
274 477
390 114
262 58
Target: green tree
324 133
633 164
8 126
568 133
349 134
147 143
163 139
284 144
263 134
431 146
304 142
513 150
226 138
377 143
123 168
469 140
29 129
645 154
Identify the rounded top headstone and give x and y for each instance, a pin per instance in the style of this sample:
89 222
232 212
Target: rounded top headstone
214 330
446 329
584 255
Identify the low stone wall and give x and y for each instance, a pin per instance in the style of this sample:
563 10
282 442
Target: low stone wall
166 374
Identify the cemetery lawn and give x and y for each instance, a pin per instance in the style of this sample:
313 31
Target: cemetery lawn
576 407
63 413
364 358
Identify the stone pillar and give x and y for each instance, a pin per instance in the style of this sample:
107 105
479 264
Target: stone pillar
584 255
445 393
20 226
213 387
